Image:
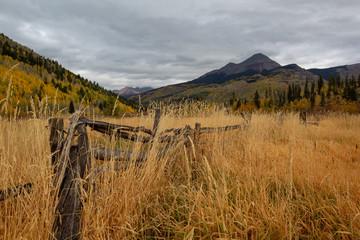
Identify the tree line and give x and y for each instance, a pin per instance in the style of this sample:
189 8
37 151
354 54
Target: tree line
320 94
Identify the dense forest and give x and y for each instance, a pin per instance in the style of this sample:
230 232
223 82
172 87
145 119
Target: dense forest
334 95
28 80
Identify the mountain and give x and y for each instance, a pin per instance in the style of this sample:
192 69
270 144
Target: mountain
130 91
258 72
342 71
36 81
257 63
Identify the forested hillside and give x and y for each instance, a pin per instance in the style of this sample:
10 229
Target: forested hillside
29 82
335 95
261 83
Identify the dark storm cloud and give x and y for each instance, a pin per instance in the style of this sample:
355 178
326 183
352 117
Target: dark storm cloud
155 43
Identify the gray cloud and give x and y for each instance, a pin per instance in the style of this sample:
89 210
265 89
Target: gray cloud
156 43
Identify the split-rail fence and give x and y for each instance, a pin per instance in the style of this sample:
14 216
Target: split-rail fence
73 168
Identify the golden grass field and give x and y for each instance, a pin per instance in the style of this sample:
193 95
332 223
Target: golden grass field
266 181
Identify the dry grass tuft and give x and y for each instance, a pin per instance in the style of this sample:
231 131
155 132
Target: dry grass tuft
266 181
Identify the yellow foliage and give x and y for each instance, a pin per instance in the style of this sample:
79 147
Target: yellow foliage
26 84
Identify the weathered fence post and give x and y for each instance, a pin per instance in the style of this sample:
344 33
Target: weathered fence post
156 121
197 133
56 139
155 126
84 150
72 162
302 117
67 220
247 118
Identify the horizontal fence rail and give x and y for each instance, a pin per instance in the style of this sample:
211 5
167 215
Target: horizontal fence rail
15 191
117 155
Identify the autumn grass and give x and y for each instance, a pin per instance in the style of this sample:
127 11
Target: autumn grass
265 181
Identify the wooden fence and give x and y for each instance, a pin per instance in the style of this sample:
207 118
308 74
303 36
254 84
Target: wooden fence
72 160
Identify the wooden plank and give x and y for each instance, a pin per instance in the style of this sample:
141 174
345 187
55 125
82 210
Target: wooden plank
114 167
312 123
176 131
84 150
220 129
156 121
56 138
155 126
246 117
197 133
166 139
15 191
302 117
63 160
68 210
109 130
109 127
132 137
117 155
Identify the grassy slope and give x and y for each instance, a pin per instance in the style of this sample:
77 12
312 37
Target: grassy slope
243 87
268 181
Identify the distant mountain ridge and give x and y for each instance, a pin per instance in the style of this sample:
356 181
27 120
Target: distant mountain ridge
257 63
342 71
257 72
130 91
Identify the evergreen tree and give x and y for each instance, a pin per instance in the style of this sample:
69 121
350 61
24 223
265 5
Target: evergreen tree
350 93
320 84
331 85
312 100
101 106
338 81
270 93
71 107
322 103
232 99
238 104
297 92
290 94
328 94
6 49
312 89
306 90
353 81
257 99
81 93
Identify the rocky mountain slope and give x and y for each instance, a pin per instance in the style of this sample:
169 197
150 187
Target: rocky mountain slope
130 91
258 72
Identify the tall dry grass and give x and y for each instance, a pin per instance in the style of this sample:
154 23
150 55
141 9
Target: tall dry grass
266 181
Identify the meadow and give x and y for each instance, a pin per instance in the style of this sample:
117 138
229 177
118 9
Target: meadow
268 180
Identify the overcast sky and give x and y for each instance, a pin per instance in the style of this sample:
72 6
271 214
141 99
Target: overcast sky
154 43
